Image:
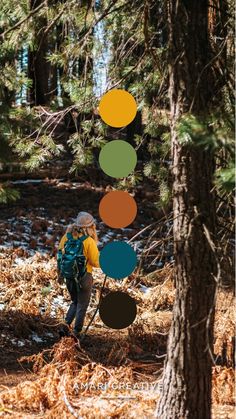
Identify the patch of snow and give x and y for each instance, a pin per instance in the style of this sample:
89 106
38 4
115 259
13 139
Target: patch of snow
36 338
42 310
27 181
20 262
58 300
137 246
23 238
48 265
20 343
144 289
17 342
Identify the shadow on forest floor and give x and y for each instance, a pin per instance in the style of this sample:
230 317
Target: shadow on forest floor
63 199
23 334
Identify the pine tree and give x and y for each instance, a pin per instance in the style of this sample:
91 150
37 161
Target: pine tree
43 64
193 79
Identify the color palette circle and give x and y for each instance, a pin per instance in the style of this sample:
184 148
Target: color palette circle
117 108
118 310
118 159
117 209
117 259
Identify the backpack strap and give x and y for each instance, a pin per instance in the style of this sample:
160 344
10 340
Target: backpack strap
70 237
83 238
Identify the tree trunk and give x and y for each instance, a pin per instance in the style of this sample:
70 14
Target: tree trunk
38 65
186 390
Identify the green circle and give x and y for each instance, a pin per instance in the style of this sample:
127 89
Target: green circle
118 158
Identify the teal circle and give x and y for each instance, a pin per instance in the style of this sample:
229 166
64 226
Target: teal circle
117 259
118 158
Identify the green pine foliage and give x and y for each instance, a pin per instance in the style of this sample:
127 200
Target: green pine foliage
216 132
8 194
65 28
225 178
136 43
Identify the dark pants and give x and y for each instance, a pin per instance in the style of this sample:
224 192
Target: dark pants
80 296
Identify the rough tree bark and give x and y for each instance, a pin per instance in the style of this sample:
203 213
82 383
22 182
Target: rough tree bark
186 392
38 65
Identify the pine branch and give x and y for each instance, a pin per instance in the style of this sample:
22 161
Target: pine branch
50 26
130 71
18 24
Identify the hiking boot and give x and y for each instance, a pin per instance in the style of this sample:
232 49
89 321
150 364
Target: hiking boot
77 333
64 330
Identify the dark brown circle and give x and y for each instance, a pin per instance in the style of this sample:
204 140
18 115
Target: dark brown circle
118 310
117 209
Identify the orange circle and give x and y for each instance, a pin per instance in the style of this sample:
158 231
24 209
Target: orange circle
117 209
117 108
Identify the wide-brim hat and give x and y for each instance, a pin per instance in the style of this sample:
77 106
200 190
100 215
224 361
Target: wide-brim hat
84 219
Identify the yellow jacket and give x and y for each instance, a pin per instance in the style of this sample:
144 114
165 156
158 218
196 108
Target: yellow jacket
90 251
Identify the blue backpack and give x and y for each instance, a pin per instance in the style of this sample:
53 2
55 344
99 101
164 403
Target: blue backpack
71 261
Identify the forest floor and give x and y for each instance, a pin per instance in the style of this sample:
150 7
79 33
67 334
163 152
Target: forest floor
110 373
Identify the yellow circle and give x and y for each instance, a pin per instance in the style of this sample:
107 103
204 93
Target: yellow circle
117 108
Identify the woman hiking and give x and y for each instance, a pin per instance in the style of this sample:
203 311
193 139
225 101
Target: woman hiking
76 257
